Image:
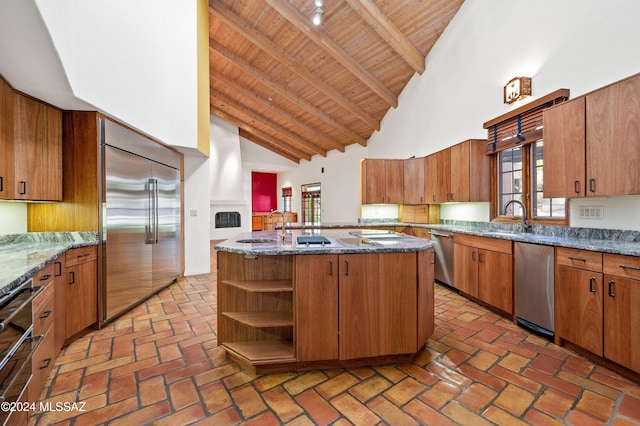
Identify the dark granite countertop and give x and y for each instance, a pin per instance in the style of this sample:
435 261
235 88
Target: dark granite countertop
344 240
603 240
21 255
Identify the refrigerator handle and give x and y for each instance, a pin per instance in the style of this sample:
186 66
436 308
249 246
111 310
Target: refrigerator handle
156 211
149 227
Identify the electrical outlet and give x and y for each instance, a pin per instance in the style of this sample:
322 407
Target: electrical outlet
591 212
193 212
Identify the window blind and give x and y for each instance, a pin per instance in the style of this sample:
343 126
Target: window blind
521 126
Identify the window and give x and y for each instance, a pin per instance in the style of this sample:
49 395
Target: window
311 203
553 208
520 177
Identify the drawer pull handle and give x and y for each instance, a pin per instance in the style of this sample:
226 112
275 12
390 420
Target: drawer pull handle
473 255
330 266
23 187
80 256
45 314
576 187
579 259
592 185
45 363
633 268
57 274
346 267
611 293
45 277
592 280
73 277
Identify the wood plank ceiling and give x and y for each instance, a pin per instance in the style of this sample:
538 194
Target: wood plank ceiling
301 90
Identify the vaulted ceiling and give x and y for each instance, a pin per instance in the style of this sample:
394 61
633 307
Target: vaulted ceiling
298 89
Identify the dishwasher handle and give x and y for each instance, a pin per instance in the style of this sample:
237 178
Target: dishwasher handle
435 234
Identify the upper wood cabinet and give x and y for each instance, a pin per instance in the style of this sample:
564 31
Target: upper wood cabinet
414 181
591 143
37 149
382 181
6 141
470 172
460 173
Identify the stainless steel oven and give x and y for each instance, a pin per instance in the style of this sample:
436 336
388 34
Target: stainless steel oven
17 343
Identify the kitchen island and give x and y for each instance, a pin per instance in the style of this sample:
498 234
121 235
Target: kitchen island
324 298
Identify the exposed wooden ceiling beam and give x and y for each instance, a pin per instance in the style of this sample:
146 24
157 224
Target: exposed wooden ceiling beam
315 34
250 33
267 141
261 122
237 88
373 16
246 67
265 144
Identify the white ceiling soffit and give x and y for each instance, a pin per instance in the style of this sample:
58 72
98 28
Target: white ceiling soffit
28 59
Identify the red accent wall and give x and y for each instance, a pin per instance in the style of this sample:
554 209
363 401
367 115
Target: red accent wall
263 191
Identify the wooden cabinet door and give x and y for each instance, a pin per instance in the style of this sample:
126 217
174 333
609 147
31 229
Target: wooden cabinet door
479 172
443 188
465 269
425 307
413 186
316 307
431 178
495 279
564 150
394 181
459 172
81 298
373 181
38 150
6 141
359 306
397 303
613 132
578 307
621 321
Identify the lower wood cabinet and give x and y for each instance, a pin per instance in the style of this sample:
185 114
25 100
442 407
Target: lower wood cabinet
597 298
366 304
621 313
81 290
483 269
43 309
295 312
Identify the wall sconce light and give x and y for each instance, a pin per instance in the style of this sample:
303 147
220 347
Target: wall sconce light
316 18
516 89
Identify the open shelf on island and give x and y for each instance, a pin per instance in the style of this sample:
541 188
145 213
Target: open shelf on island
263 352
262 319
261 286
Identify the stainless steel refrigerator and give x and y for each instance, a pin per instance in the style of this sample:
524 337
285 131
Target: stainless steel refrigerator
140 218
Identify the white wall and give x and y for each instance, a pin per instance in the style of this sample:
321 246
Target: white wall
576 44
134 60
196 214
13 218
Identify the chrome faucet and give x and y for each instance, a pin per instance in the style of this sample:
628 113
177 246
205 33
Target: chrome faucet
525 225
283 235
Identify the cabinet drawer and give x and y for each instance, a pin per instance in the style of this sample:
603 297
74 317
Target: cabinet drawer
81 255
491 244
576 258
43 307
44 276
42 363
622 266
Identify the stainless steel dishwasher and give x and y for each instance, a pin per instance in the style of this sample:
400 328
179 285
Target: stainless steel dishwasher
444 256
534 287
